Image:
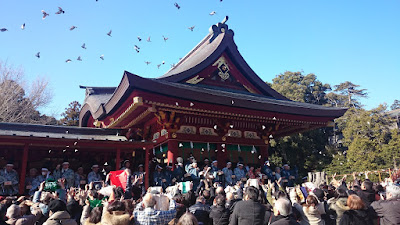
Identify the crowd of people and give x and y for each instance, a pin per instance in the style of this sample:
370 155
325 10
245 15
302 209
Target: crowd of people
193 194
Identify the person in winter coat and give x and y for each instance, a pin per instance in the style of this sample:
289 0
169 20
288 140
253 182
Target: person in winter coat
311 211
14 216
201 210
219 215
58 214
358 213
282 213
115 214
249 211
388 210
339 204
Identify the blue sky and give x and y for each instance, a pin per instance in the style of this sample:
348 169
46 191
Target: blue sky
337 40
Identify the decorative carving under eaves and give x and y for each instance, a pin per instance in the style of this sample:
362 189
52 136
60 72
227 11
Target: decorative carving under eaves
234 133
156 136
134 134
195 80
251 135
164 132
207 131
187 130
168 120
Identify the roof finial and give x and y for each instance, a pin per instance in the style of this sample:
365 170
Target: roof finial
220 28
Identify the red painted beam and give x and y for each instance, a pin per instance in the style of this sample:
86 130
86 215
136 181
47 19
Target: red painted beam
23 169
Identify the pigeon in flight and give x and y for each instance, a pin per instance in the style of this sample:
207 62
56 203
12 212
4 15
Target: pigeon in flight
3 29
73 28
102 57
213 13
191 28
38 55
148 39
165 38
177 5
109 33
137 48
79 58
158 66
138 37
23 26
84 46
163 62
60 11
147 62
68 60
45 14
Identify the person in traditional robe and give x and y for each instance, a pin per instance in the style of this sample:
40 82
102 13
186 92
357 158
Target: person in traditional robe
44 175
239 172
29 179
230 178
95 176
9 180
67 173
80 178
216 172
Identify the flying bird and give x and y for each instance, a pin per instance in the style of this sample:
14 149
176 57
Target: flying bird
138 37
23 26
137 48
191 28
158 66
68 60
60 11
109 33
38 55
102 57
79 58
73 28
177 5
147 62
3 29
213 13
163 62
165 38
45 14
84 46
148 39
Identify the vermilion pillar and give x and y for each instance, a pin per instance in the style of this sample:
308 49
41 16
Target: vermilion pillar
172 152
147 167
118 159
23 169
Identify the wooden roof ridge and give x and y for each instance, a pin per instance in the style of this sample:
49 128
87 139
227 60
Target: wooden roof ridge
219 40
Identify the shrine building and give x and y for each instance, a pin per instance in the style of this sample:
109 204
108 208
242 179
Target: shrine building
211 104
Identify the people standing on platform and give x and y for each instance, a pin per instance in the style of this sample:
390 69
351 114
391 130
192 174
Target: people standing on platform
239 172
251 173
65 172
194 172
9 180
179 172
80 178
126 164
277 174
288 175
95 177
29 179
217 173
267 170
159 178
44 175
206 162
229 175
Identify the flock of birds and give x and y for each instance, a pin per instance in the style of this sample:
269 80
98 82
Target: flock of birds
136 47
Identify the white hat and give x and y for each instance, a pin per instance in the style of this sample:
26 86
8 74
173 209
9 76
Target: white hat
215 161
65 163
228 163
95 165
240 164
44 169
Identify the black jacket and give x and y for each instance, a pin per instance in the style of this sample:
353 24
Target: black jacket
201 212
367 196
248 213
285 220
219 215
356 217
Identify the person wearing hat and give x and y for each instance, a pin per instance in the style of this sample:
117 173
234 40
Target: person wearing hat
230 178
9 180
65 172
239 172
179 172
217 173
44 175
126 164
158 177
29 180
288 175
94 175
267 170
58 214
194 172
80 178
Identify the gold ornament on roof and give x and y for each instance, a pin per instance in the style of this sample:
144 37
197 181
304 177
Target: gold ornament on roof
223 68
